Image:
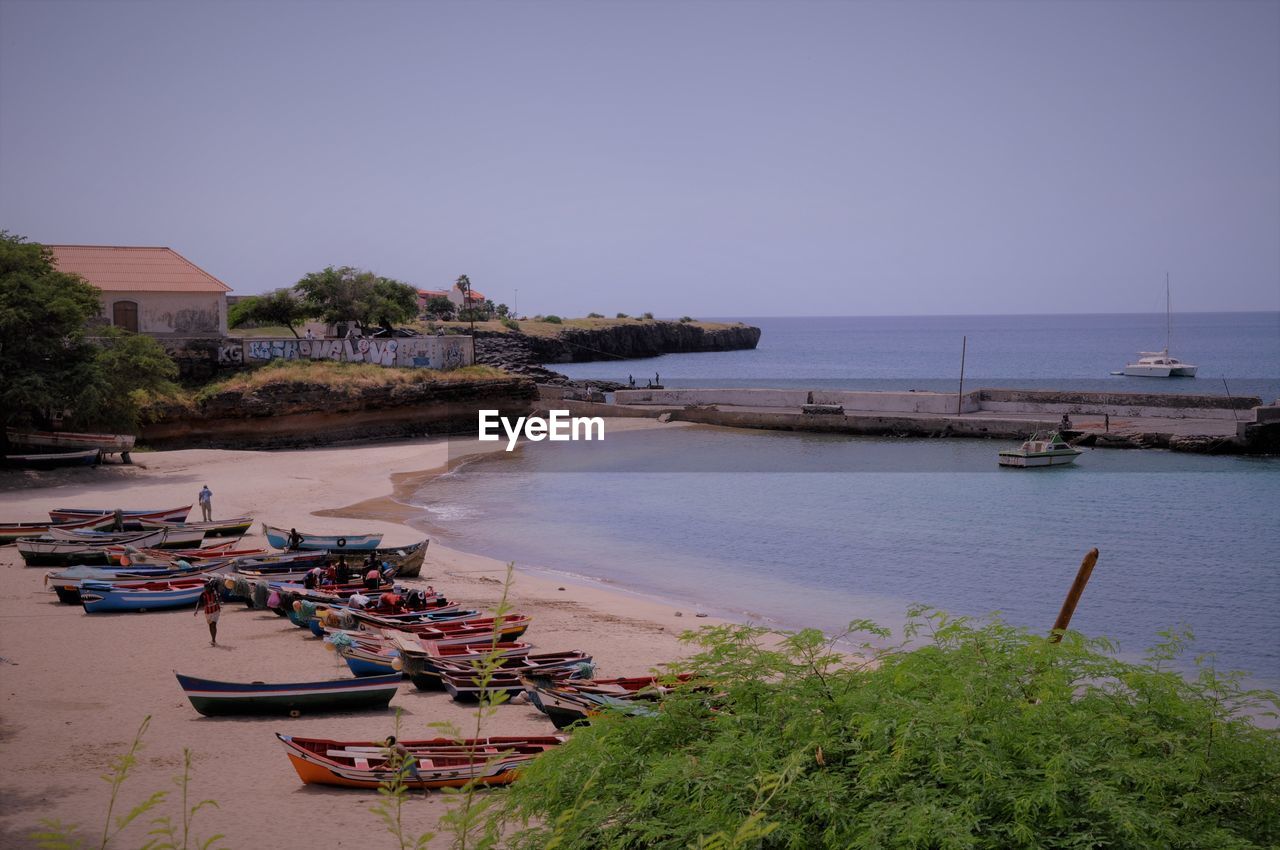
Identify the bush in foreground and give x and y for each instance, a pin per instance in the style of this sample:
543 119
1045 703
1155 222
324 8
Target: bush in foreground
984 737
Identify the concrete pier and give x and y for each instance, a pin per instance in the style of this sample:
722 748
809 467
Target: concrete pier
1212 424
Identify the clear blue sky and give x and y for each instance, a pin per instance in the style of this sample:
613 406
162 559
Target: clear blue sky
710 158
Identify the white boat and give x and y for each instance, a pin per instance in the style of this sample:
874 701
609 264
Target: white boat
1043 449
1158 364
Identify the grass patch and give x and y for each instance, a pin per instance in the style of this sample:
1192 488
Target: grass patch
345 378
533 327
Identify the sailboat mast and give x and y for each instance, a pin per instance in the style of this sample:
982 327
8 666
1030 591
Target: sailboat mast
1168 315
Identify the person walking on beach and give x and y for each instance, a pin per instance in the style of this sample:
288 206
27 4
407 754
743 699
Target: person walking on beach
211 604
206 503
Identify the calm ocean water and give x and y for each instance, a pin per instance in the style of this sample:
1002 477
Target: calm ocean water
923 352
757 525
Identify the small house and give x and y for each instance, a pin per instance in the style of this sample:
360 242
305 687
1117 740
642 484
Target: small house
154 291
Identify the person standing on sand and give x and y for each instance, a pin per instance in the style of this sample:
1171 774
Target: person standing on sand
206 503
211 603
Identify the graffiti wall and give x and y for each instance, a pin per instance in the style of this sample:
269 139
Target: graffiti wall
432 352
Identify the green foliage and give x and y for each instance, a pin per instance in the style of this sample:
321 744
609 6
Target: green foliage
511 324
595 315
502 311
985 736
347 294
44 356
56 835
440 307
129 372
622 316
278 307
393 793
553 319
684 320
51 367
648 317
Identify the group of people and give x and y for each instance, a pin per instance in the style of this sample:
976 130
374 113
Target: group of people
373 574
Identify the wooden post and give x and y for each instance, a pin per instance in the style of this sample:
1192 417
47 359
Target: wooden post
1073 596
964 344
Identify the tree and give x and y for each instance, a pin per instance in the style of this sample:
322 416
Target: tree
503 311
44 356
440 307
347 294
128 371
467 313
51 369
278 307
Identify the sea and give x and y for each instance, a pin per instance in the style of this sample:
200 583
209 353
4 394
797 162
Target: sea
794 530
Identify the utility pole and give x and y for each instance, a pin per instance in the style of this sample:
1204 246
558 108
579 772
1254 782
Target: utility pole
516 309
964 344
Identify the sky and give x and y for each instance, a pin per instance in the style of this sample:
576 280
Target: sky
702 158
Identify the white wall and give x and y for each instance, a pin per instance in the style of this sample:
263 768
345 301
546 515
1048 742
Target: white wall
174 313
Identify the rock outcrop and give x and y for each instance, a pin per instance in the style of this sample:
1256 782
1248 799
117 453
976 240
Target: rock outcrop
302 414
524 354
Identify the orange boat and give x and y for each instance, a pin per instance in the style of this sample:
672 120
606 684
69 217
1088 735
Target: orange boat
437 763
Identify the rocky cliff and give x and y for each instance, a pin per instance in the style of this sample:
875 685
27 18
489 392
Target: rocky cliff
525 354
303 414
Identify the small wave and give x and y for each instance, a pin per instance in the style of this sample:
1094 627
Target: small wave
450 512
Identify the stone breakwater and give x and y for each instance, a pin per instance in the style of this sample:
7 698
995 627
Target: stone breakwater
291 415
525 355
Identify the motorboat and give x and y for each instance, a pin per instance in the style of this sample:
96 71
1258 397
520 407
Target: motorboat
1043 449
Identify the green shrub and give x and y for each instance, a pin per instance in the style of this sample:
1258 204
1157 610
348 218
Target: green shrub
553 319
684 320
511 324
595 315
648 317
622 316
985 737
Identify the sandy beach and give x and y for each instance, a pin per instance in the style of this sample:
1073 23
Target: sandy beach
77 686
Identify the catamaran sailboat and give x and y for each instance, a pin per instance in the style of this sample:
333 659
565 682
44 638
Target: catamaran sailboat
1158 364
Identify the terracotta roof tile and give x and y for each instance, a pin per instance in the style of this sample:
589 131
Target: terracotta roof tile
115 268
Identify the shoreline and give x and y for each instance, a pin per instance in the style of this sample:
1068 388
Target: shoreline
79 685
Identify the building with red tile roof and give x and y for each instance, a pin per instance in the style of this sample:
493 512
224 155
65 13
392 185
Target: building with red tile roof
154 291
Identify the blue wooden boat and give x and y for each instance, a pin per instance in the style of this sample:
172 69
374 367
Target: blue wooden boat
292 698
368 661
98 597
279 538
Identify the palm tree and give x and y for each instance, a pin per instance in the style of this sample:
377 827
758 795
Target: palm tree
464 286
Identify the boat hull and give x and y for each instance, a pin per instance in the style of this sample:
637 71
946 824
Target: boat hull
49 460
99 600
438 764
279 538
170 514
212 698
1036 461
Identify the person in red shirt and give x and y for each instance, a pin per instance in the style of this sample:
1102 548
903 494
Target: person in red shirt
211 603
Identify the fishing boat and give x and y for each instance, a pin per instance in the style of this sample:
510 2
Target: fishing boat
171 514
233 527
570 702
279 538
212 698
406 559
418 658
66 583
106 443
1043 449
1158 364
49 460
50 552
98 597
174 537
438 763
463 680
11 531
510 627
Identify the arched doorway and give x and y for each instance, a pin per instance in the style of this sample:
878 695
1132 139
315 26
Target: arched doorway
124 314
